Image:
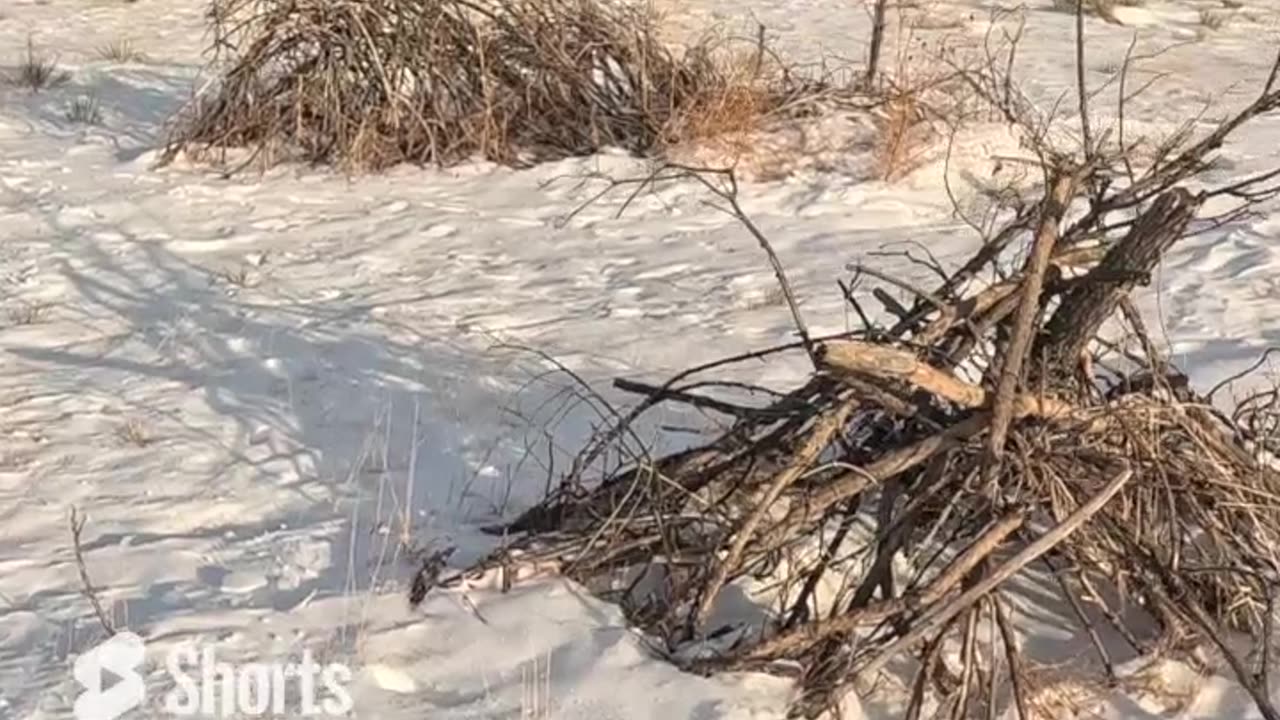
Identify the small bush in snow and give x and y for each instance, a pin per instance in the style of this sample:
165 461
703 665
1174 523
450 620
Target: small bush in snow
239 276
37 71
121 50
85 110
901 136
134 432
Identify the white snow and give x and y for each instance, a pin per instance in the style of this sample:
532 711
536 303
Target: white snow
269 395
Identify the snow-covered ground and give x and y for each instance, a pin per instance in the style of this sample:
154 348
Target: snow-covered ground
271 395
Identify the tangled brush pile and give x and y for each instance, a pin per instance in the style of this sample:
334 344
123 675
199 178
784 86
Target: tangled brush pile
371 83
1017 419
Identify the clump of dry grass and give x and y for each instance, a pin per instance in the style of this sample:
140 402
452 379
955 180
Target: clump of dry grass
239 276
736 105
121 50
37 71
373 83
902 137
85 110
917 89
737 119
134 432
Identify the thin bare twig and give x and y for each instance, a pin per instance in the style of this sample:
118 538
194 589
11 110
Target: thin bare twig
87 589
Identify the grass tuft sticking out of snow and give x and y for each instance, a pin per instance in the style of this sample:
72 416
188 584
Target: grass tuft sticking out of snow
37 71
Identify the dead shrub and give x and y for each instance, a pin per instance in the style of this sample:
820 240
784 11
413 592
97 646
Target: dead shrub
85 110
736 116
134 432
735 104
373 83
121 50
37 71
979 439
917 90
902 137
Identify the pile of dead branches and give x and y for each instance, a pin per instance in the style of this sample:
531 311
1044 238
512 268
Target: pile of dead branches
1015 422
371 83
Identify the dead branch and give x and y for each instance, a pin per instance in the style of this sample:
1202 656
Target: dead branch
1061 189
87 589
